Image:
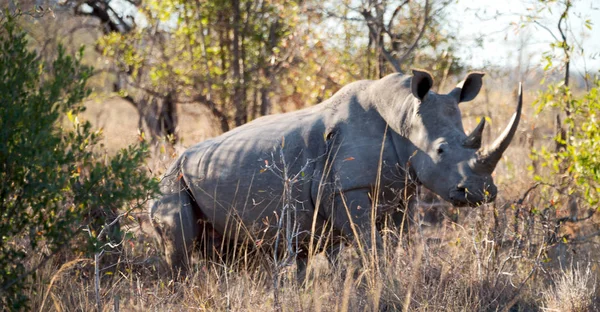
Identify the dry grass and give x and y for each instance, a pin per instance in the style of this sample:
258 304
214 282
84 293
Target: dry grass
498 257
451 267
574 290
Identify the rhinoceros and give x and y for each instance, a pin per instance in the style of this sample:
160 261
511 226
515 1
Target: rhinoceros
336 164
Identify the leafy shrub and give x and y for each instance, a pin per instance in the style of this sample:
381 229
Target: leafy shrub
577 164
53 185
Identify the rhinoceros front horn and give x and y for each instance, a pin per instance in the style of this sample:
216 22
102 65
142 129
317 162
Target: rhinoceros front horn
488 158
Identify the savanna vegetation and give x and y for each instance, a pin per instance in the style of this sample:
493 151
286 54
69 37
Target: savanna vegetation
97 97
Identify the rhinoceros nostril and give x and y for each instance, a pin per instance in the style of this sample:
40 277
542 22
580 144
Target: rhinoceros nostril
461 189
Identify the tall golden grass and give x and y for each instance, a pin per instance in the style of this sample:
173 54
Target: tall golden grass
472 266
505 256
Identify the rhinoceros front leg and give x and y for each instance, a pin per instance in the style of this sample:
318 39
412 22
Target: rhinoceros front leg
353 216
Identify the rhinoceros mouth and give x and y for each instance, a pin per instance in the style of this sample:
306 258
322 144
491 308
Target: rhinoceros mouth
461 196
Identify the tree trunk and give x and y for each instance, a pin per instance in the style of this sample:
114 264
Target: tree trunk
168 117
561 131
265 102
159 114
223 49
239 103
381 59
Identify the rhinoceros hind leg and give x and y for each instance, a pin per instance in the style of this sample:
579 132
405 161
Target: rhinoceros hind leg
176 219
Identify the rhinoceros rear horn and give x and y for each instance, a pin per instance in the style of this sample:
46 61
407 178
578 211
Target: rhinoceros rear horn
474 139
421 83
488 158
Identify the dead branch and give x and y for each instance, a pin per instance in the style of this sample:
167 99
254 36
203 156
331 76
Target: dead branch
421 33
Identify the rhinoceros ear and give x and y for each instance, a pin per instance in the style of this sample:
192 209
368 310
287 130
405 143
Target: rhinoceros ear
468 89
421 83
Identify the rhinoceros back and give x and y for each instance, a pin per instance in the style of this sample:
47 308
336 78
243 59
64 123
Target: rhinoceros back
239 176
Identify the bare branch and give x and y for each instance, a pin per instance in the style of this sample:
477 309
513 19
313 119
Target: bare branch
574 220
146 90
520 201
373 32
396 11
421 33
546 28
223 119
584 238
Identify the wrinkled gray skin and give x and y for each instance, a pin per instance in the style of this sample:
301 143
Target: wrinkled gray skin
338 146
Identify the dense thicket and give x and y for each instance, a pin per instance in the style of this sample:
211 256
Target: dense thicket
54 185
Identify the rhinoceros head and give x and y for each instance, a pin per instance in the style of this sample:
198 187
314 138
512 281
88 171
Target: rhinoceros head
448 161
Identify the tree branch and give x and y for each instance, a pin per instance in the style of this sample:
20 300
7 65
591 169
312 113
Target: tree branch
546 28
396 11
373 32
421 33
202 99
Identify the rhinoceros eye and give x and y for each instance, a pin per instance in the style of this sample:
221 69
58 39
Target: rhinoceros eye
441 149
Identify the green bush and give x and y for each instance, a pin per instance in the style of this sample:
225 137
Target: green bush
53 185
575 168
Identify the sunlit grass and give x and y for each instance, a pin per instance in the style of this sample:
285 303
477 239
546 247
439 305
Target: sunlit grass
497 257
